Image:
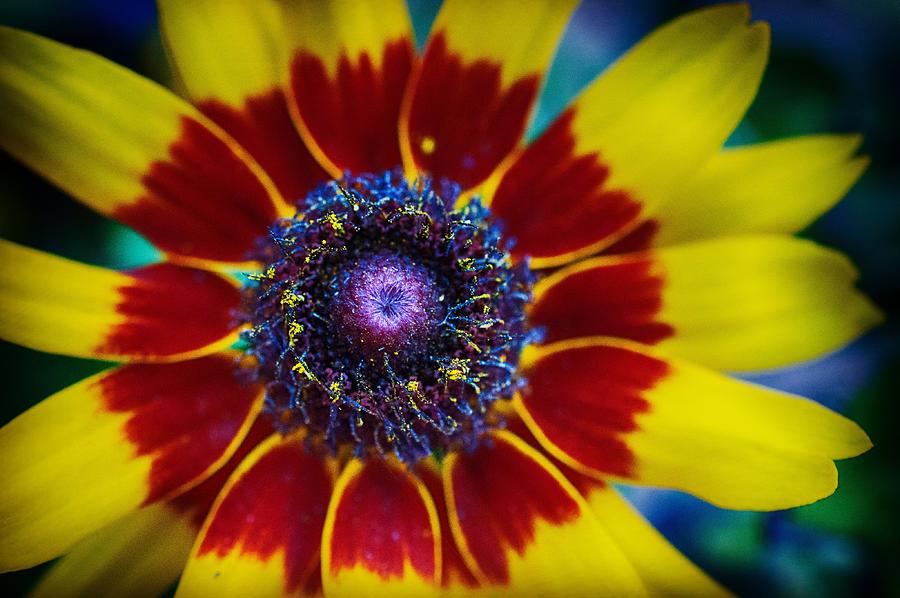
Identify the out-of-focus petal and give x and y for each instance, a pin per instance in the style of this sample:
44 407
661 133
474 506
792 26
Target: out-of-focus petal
774 187
231 60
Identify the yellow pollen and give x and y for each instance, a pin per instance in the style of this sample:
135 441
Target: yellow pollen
301 368
294 330
457 370
466 263
269 274
335 223
291 299
334 389
428 145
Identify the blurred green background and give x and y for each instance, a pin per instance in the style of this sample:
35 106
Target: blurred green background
835 66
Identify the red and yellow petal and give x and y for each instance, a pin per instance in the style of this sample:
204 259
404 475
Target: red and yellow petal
614 408
132 150
349 62
101 448
144 552
382 533
263 535
774 187
471 97
230 57
633 136
737 303
661 567
523 528
156 313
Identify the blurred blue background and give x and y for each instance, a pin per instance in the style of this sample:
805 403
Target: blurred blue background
835 66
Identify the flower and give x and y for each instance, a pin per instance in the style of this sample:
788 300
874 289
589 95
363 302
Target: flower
449 342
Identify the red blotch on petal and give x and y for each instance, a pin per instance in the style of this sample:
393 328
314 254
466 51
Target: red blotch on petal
264 128
204 201
171 309
462 123
197 502
500 494
453 568
277 506
553 202
381 522
640 239
585 401
313 585
184 415
353 115
621 299
584 484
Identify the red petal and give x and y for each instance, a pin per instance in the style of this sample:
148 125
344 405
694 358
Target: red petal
639 239
498 496
380 522
204 201
265 129
454 571
584 484
555 202
171 310
187 415
461 121
589 425
352 116
197 502
618 297
276 506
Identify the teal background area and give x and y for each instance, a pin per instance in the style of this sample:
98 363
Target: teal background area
835 66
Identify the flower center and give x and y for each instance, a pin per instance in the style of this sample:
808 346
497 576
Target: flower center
387 303
386 319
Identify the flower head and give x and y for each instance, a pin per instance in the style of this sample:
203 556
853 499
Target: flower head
385 318
392 348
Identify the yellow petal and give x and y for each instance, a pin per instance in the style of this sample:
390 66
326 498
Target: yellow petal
140 555
663 569
101 448
634 135
523 529
156 313
614 408
130 149
225 50
736 303
774 187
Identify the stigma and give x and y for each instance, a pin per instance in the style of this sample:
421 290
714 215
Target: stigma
387 319
387 304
